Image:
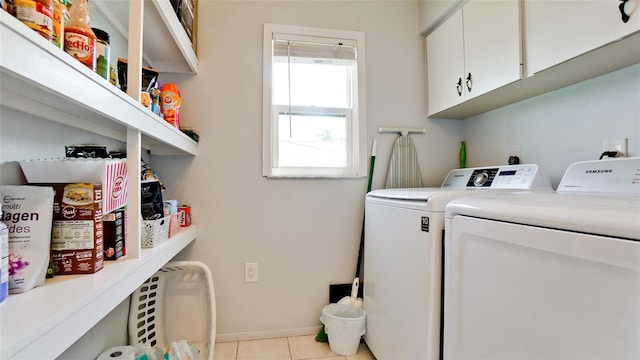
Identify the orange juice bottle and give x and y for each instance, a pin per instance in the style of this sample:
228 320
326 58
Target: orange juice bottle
170 104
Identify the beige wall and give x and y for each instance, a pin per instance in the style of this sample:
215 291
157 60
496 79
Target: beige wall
561 127
303 234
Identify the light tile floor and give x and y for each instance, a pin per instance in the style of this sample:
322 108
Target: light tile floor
286 348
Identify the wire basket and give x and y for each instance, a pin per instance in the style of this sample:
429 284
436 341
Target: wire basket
155 232
176 303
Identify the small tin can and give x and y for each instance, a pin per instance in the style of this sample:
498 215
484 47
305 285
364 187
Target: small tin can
184 212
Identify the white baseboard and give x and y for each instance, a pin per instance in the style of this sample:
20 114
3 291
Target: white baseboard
257 335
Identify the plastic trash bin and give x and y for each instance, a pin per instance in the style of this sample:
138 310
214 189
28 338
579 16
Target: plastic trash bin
344 325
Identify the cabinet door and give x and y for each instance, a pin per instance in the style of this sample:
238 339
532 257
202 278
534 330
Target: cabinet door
445 64
492 43
562 29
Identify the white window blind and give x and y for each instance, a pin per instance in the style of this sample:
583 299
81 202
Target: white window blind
313 124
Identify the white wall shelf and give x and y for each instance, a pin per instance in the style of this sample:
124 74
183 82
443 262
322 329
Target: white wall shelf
45 321
49 83
166 46
40 80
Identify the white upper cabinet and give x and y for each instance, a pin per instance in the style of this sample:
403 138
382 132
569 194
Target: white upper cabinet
516 49
478 49
445 64
492 45
560 30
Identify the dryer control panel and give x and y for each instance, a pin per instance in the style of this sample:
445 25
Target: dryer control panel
618 175
524 176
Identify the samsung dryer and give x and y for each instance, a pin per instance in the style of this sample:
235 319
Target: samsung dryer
547 275
403 257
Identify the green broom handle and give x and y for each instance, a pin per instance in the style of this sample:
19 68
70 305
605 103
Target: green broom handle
369 181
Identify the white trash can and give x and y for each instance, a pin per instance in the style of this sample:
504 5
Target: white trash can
344 325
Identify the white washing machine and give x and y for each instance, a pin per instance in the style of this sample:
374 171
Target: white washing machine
403 257
547 275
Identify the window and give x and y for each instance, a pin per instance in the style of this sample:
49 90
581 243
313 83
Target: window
314 122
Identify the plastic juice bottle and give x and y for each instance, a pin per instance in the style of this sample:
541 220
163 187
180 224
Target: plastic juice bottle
170 104
79 39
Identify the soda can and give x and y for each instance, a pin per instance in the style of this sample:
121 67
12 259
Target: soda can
184 212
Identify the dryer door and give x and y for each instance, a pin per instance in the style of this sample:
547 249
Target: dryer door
514 291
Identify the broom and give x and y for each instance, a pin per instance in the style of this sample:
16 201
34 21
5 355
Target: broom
322 335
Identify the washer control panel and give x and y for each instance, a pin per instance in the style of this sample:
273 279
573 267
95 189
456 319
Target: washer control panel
482 177
522 176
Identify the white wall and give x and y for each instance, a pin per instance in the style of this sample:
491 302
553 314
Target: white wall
304 234
433 12
559 128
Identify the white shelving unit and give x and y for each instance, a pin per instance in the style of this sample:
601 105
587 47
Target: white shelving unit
45 321
161 24
39 79
51 84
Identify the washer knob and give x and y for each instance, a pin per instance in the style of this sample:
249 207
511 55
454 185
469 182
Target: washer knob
480 179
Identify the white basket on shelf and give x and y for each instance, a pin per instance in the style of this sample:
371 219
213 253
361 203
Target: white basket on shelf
176 303
155 232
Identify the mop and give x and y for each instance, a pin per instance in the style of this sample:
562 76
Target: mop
404 171
353 299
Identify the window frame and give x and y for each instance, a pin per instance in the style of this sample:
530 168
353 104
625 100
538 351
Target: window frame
356 166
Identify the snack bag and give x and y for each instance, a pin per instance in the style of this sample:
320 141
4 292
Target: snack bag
28 214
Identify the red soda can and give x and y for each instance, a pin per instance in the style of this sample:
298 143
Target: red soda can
184 212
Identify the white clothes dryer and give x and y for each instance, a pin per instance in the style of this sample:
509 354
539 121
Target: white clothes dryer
547 275
403 257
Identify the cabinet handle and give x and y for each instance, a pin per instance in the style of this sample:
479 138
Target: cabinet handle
469 82
459 87
625 17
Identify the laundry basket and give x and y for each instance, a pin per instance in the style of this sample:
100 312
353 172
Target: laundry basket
176 303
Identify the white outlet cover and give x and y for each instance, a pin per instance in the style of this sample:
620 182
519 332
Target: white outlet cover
619 145
251 272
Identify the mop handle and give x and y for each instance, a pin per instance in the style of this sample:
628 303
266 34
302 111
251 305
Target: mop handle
370 179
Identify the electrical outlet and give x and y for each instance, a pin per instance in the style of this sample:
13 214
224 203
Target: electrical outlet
619 145
250 272
515 157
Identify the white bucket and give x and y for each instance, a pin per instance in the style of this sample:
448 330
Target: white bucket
344 325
